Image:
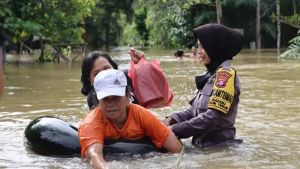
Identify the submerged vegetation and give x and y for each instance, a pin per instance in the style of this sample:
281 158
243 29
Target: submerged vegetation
293 51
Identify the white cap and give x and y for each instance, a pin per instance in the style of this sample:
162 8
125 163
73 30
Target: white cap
110 82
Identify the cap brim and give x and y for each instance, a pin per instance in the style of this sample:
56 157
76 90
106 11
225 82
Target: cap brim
115 91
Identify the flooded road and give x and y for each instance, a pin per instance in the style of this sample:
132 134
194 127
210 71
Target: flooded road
268 118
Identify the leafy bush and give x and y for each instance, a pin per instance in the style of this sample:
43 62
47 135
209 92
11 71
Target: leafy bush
293 51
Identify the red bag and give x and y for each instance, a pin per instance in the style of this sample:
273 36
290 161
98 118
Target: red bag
150 86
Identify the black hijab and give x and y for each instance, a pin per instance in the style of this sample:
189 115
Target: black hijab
220 43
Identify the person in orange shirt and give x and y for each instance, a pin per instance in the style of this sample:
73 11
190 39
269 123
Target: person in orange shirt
116 118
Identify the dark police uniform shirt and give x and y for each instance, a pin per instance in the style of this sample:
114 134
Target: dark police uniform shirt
211 117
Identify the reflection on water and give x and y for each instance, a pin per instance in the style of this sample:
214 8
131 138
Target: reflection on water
268 117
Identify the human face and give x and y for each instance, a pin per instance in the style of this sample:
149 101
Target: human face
99 65
115 109
202 54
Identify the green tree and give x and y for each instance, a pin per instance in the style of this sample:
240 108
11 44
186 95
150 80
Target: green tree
62 20
170 22
293 51
140 17
242 14
15 26
293 21
104 28
58 21
131 36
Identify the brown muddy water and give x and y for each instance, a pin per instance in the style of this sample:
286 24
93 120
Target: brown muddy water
268 117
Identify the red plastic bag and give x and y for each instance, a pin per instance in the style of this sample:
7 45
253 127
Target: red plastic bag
150 86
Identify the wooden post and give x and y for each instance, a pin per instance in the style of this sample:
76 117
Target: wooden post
59 54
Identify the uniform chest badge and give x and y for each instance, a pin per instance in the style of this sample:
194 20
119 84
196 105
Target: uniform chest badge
222 79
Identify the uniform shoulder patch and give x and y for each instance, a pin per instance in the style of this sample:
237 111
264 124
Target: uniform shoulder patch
222 79
223 90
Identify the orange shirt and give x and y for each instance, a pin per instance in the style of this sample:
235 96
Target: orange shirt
95 128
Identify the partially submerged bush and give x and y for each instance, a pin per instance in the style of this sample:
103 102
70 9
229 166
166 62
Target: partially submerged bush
293 51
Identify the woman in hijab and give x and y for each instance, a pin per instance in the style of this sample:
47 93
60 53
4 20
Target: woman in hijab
210 118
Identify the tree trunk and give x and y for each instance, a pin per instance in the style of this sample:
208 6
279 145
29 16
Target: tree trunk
278 26
107 37
2 49
294 5
1 62
258 26
41 57
219 11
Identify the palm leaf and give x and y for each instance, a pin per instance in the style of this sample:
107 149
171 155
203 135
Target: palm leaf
269 28
293 51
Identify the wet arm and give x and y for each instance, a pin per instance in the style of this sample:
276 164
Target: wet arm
179 117
197 125
160 135
95 153
172 144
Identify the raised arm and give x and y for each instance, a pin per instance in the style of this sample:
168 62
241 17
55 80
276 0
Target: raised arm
95 153
136 55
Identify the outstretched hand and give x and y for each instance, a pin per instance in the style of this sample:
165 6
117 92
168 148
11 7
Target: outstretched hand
136 55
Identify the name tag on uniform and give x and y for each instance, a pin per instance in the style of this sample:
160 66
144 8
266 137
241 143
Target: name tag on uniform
223 90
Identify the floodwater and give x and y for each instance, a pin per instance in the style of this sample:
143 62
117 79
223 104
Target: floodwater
268 117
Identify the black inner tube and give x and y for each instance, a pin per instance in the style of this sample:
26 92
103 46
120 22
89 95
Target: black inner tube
49 135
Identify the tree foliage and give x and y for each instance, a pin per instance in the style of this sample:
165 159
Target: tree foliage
105 26
14 23
56 20
293 51
158 23
169 22
139 21
63 20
